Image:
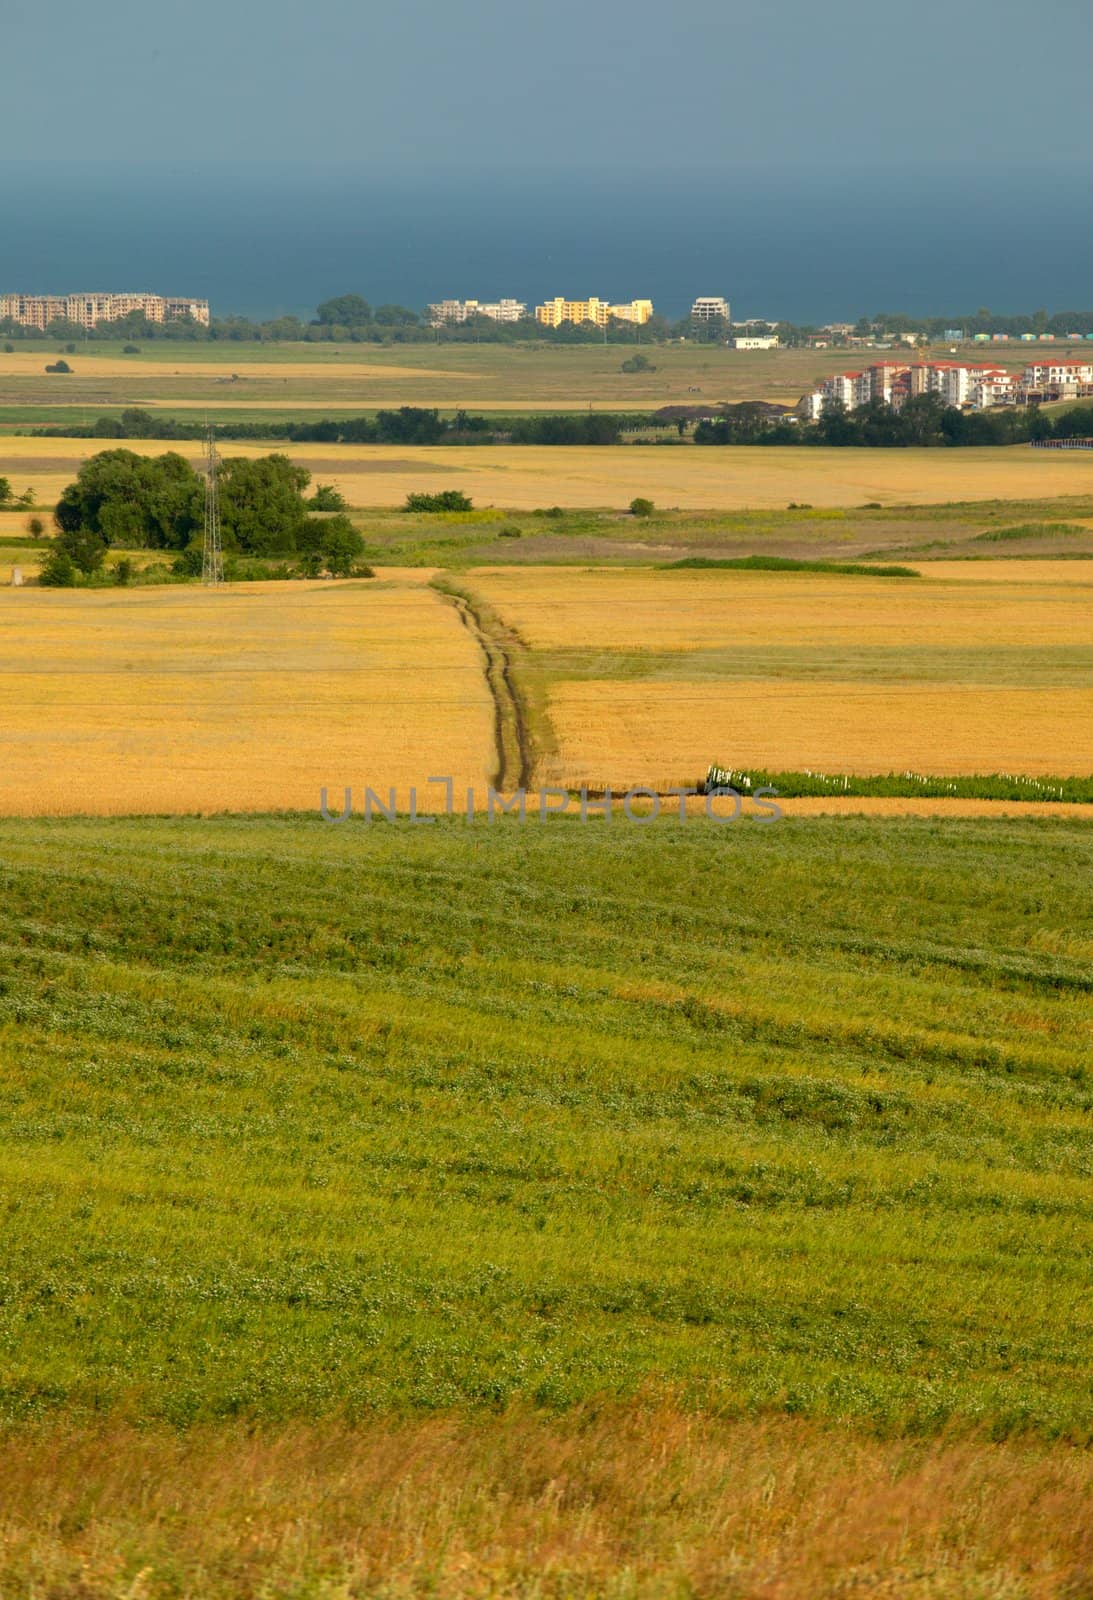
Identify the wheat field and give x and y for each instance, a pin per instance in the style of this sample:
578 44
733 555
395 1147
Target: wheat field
252 698
524 477
641 609
647 676
625 733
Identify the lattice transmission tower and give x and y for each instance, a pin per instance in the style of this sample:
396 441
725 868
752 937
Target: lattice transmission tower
212 554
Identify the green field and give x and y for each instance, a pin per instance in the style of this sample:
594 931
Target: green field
269 380
303 1120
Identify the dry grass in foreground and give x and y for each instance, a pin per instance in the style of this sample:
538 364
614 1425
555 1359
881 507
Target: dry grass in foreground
624 1503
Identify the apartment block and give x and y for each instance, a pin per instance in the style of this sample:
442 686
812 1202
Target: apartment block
959 384
452 311
710 307
552 313
89 310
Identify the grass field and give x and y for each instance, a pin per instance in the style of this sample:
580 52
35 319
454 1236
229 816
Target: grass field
524 477
477 377
557 1209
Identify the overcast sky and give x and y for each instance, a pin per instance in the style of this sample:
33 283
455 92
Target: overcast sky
611 85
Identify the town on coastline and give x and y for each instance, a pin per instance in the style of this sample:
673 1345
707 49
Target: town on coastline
964 385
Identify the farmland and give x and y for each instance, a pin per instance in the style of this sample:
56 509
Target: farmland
172 700
236 379
486 1171
524 477
476 1209
641 677
355 377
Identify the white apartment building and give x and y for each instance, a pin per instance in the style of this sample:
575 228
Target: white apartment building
89 310
708 307
463 310
1057 374
957 384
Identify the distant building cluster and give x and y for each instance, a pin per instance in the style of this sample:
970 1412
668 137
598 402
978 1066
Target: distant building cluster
89 310
968 386
448 311
552 313
707 309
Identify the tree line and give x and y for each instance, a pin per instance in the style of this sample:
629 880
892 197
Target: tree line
924 420
417 425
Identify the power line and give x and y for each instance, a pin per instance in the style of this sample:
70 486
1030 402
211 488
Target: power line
212 554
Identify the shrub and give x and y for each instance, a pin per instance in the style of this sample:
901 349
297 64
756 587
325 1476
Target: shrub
509 531
131 350
36 527
123 572
445 500
187 564
327 498
58 570
638 363
9 349
58 366
641 507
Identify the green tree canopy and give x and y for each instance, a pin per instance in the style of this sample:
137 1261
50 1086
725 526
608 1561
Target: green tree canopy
262 509
346 310
126 499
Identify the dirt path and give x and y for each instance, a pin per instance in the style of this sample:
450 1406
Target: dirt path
515 765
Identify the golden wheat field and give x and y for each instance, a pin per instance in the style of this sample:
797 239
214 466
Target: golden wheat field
247 699
523 477
622 733
649 676
642 609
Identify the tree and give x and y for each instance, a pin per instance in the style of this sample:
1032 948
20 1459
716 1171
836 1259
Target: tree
126 499
341 544
640 507
326 498
6 492
347 310
391 316
85 549
262 510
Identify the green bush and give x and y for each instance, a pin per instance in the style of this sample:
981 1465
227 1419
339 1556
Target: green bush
58 570
327 498
640 507
445 500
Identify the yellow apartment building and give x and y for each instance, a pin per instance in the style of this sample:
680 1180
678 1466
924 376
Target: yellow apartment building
554 312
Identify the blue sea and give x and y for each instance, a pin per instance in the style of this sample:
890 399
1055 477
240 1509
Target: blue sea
266 240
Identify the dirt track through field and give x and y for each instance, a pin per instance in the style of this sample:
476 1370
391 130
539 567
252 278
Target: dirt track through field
515 759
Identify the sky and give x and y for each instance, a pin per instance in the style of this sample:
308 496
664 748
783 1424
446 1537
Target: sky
811 159
616 85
